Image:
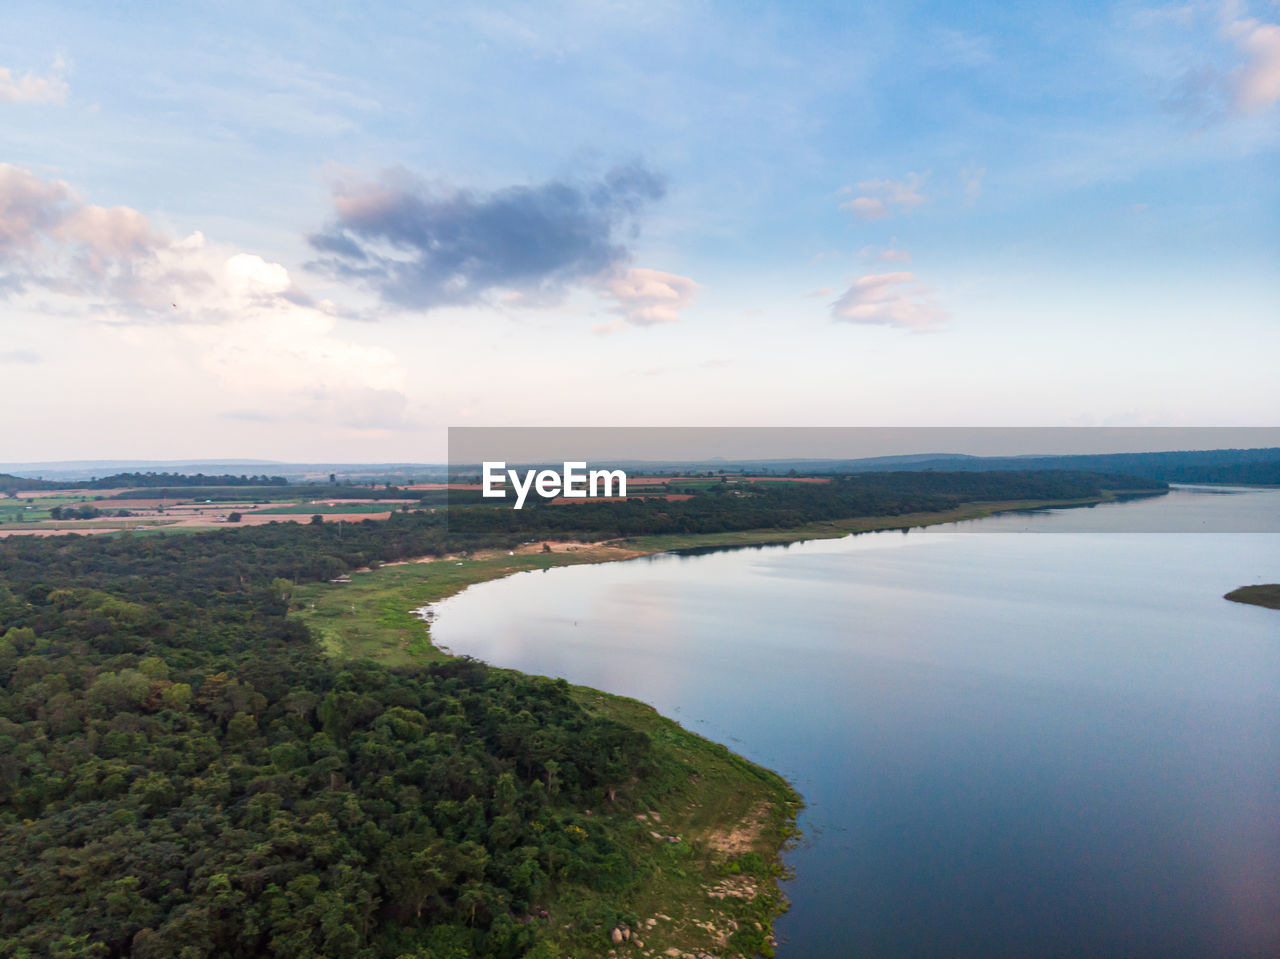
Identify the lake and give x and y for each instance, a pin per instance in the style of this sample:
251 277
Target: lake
1054 739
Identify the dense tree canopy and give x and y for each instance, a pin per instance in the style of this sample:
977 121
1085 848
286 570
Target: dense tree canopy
183 773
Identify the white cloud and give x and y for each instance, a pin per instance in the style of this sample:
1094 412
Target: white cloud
888 299
971 177
877 199
1257 82
51 239
19 356
648 297
262 340
1231 67
30 88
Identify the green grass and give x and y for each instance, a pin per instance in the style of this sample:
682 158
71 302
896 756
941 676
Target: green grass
372 617
700 790
732 819
1267 595
36 507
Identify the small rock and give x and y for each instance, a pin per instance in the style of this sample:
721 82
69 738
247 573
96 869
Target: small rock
626 933
615 934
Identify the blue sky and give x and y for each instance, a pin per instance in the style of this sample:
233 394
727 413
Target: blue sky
274 231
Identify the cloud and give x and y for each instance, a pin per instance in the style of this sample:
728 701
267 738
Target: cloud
239 318
877 199
292 363
19 356
53 240
608 329
30 88
888 299
422 247
971 177
949 47
1256 84
1235 66
649 297
894 254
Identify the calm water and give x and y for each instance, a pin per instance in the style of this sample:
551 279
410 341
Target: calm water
1010 744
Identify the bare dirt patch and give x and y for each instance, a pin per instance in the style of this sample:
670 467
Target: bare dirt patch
69 491
742 837
343 502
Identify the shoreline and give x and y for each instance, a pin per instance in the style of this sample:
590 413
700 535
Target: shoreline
1265 595
384 613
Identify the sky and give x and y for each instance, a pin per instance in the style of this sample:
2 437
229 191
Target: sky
327 233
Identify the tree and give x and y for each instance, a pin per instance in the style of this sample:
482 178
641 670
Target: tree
317 519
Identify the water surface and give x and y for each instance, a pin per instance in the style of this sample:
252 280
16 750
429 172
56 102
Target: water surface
1010 744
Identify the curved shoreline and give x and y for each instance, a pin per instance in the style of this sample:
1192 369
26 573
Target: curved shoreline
376 613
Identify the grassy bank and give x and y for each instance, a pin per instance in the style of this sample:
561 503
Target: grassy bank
702 832
372 616
1267 595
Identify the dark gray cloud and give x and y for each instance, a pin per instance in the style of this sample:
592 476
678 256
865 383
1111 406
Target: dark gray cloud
421 246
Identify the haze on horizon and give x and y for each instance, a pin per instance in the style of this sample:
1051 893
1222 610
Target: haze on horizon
269 232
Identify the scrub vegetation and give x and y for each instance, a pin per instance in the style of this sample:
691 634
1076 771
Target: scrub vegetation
1267 594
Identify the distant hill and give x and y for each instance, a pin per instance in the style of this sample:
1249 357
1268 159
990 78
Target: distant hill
17 484
65 473
1257 467
1249 467
12 484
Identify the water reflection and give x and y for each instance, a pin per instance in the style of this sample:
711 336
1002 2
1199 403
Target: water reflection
1010 745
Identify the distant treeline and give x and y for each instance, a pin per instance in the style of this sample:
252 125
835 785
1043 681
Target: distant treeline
20 484
1255 467
9 483
289 493
184 773
150 480
728 507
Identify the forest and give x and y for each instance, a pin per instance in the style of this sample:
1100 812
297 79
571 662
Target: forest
184 773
